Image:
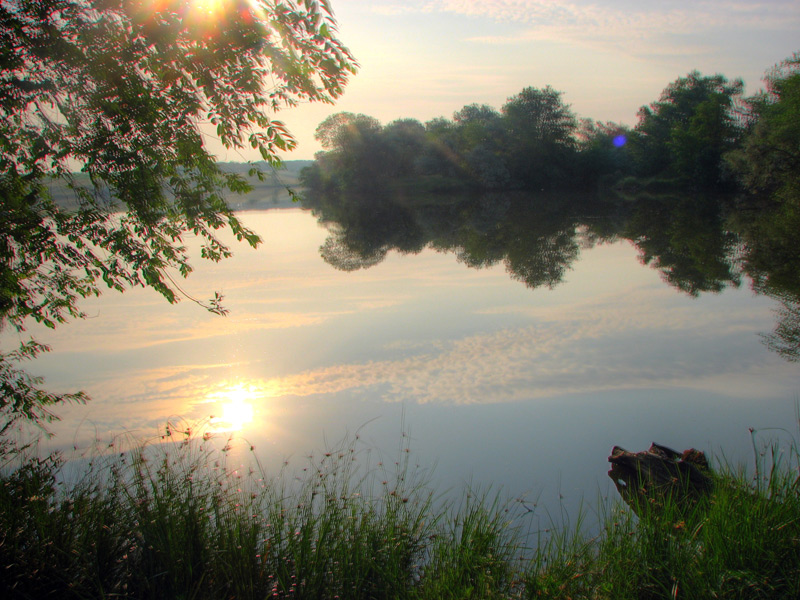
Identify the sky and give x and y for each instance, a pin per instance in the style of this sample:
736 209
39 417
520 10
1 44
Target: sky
428 58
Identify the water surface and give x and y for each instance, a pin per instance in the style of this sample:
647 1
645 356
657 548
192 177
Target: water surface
494 382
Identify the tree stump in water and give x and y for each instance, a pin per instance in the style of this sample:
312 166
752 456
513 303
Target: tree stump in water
660 475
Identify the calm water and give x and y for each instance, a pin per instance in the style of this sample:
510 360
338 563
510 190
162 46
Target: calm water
495 383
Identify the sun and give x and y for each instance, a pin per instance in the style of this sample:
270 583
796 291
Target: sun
219 18
209 8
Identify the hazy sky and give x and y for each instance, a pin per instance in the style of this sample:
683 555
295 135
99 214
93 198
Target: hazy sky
428 58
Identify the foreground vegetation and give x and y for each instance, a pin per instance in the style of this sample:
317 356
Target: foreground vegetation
176 521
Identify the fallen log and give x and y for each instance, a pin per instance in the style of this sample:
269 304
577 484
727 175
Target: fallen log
660 476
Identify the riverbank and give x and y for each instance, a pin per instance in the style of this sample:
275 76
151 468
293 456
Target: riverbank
175 519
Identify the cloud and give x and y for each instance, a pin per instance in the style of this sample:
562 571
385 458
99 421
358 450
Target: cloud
393 9
657 29
618 17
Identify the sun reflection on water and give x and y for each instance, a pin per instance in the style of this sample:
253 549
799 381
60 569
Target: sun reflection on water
235 406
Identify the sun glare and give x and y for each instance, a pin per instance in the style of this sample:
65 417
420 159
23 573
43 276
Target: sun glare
209 8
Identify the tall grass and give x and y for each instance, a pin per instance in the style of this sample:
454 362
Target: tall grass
742 541
177 520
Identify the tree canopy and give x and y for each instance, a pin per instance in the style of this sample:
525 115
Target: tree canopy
541 137
529 144
688 130
770 156
120 89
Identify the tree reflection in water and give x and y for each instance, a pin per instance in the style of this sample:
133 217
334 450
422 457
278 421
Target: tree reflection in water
699 243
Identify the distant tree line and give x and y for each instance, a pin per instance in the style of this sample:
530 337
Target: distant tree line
701 133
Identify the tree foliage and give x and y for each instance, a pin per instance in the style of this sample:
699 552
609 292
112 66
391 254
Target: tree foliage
540 115
602 159
688 130
530 144
120 89
354 151
340 131
769 160
541 134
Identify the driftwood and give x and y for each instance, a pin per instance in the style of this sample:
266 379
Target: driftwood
647 480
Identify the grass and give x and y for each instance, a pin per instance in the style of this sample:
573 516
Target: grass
174 520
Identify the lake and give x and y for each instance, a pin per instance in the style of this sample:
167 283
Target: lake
494 381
